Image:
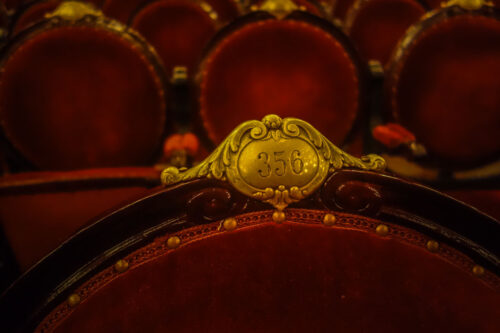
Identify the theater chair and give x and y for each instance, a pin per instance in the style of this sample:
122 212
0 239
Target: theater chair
36 11
442 87
375 26
123 11
281 59
77 92
77 110
313 241
179 30
455 120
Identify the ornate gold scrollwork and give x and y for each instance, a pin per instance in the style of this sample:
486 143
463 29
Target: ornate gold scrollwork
279 161
279 8
468 4
74 10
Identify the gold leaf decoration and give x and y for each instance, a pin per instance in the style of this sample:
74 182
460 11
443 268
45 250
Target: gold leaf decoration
279 161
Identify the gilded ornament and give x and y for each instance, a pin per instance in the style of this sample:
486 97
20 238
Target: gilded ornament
382 230
279 216
209 10
173 242
229 224
74 300
279 8
74 10
121 266
278 161
329 219
468 4
478 270
432 246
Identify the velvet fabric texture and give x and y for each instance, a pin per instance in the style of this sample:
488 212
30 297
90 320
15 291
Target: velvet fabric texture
96 101
289 68
227 10
289 277
179 31
446 91
39 211
376 26
122 10
341 8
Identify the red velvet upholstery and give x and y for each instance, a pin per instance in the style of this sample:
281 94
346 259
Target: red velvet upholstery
96 101
376 26
341 7
227 10
285 67
445 89
38 211
122 10
289 277
178 29
33 14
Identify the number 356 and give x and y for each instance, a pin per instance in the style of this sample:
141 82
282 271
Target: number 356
278 163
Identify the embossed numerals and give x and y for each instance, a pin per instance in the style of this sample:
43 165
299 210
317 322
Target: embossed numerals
279 163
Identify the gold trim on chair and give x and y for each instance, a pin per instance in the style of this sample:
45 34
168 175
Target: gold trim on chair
467 4
278 8
74 10
279 161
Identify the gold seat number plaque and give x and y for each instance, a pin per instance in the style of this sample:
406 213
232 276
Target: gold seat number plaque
275 160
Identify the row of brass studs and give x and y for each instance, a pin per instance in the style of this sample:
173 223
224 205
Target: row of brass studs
230 224
383 230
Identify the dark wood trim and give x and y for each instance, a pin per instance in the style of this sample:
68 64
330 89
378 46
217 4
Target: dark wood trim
207 200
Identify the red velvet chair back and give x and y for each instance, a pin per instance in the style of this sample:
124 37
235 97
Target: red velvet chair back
178 29
376 26
301 66
443 85
201 255
98 100
123 11
227 10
